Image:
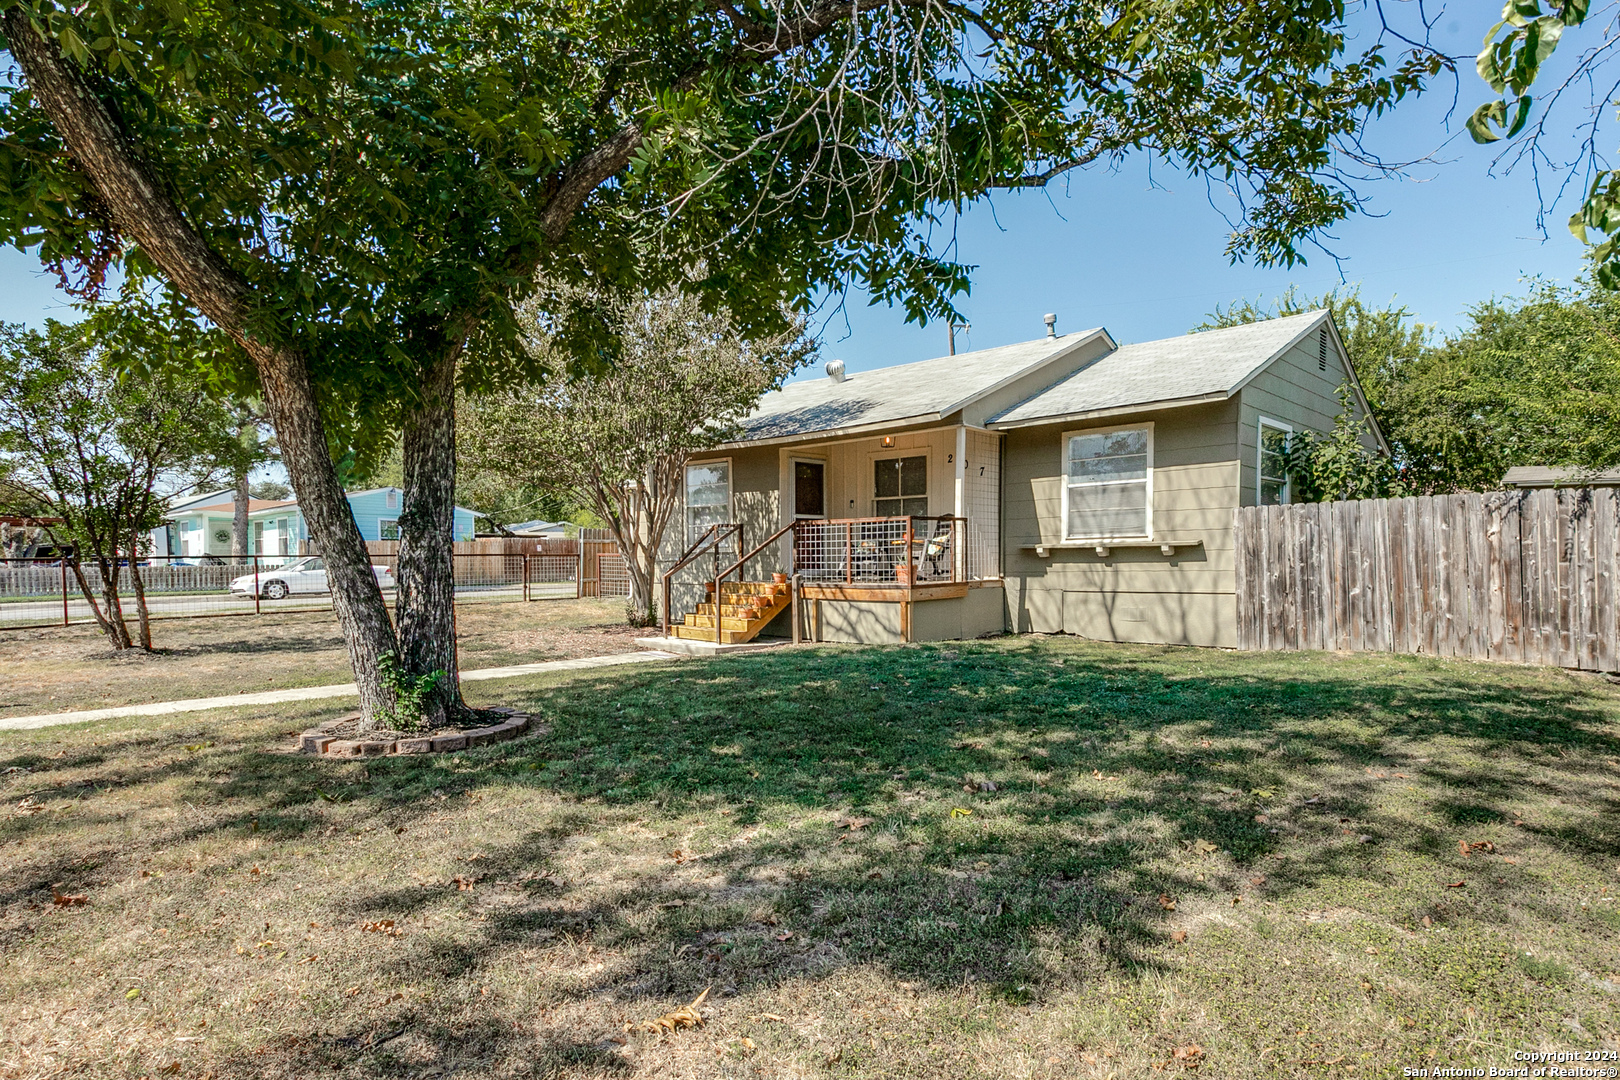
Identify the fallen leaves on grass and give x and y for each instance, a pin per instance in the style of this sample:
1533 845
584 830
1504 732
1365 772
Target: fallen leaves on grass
785 935
463 884
1179 936
679 856
1455 884
1096 774
28 807
957 811
1468 849
381 926
1189 1056
67 900
1203 847
1166 903
854 824
684 1017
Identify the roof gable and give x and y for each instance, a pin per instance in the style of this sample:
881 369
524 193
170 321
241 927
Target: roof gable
1207 365
915 392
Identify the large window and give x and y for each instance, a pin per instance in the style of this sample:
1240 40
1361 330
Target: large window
901 486
708 497
1272 467
1107 484
388 528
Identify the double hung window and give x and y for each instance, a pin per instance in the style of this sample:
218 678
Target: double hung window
1108 484
708 497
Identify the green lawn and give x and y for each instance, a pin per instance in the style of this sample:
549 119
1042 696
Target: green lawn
929 861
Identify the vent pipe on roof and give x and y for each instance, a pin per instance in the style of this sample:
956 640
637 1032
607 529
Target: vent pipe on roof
835 370
1051 325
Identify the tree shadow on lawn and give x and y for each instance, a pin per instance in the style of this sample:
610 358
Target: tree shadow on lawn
1029 803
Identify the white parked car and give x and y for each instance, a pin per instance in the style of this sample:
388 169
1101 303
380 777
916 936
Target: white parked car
306 575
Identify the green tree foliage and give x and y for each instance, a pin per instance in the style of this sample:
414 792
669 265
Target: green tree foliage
362 194
1339 464
617 442
1528 381
87 440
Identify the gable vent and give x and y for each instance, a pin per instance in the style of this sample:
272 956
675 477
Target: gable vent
1321 349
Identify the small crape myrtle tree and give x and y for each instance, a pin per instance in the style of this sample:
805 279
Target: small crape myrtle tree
99 444
362 195
617 441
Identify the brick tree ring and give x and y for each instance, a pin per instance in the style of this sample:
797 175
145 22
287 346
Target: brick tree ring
325 741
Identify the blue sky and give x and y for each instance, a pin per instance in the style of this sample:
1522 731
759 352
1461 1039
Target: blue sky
1142 255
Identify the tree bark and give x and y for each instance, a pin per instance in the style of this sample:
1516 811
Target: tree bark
239 520
425 610
143 616
144 212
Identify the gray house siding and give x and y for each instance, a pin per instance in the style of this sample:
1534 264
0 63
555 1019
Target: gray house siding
1133 593
1296 390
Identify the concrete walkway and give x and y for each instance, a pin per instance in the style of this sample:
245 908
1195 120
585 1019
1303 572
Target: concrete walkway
309 693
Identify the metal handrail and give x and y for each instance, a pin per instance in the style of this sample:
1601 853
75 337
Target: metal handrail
710 539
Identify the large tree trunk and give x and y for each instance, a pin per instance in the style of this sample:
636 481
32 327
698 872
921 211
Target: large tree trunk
425 610
144 212
239 521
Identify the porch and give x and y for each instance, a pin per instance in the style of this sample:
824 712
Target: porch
819 579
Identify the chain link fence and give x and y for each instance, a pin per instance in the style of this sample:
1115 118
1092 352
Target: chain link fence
51 592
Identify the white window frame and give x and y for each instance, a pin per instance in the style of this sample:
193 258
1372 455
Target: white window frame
899 453
382 528
1063 450
731 492
1260 456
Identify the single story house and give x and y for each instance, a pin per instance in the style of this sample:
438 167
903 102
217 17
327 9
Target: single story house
1063 484
201 525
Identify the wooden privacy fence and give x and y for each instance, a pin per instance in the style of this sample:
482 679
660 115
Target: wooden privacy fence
1526 576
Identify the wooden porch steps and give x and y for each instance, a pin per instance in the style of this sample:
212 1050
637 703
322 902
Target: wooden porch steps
735 627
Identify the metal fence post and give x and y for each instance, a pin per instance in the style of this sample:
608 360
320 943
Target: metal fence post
525 577
255 559
579 572
64 592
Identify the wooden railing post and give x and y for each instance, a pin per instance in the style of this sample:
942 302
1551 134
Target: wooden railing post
798 634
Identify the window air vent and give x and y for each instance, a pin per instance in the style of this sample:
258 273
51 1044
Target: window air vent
1321 349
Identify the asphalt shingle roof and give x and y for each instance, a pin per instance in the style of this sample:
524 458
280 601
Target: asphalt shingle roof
926 388
1208 363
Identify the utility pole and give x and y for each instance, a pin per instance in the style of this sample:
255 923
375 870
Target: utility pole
951 327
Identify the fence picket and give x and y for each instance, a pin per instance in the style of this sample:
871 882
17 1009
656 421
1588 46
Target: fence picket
1528 576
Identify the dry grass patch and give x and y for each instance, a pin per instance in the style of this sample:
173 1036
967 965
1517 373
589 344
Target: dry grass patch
60 669
909 862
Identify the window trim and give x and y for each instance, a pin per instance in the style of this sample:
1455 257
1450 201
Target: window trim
731 493
899 453
382 528
1063 451
1261 424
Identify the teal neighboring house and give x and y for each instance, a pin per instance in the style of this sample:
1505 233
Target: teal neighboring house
201 525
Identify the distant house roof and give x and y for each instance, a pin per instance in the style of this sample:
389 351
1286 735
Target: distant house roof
1538 476
1210 365
229 506
537 528
196 501
907 393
